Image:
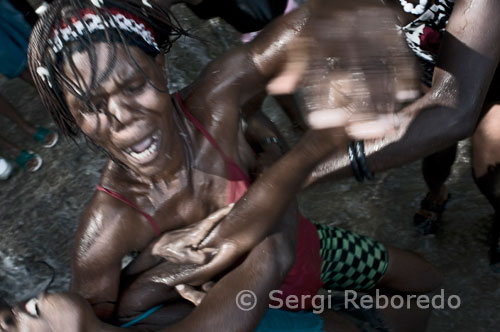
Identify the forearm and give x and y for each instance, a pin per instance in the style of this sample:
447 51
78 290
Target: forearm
423 130
469 54
259 210
260 273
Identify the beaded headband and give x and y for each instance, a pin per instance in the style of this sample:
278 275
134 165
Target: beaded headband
117 22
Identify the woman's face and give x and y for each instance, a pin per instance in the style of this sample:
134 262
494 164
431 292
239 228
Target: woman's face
133 120
50 313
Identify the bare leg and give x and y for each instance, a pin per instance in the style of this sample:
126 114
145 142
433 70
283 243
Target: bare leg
409 272
486 170
436 169
31 165
12 149
44 136
9 111
406 320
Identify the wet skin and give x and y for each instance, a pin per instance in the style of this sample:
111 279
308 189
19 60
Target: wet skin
179 182
173 174
69 312
174 189
450 110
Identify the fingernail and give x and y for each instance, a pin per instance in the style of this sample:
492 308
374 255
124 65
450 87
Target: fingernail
231 205
179 287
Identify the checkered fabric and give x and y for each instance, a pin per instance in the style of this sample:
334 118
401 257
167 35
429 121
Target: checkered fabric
349 260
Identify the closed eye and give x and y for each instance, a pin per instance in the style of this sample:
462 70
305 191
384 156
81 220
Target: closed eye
134 88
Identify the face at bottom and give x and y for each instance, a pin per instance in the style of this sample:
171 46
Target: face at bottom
49 313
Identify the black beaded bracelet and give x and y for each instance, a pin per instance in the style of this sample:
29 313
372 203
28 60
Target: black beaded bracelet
354 163
359 148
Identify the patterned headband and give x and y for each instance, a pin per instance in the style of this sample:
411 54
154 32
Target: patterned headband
91 22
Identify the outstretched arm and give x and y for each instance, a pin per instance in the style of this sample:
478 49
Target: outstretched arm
450 110
233 79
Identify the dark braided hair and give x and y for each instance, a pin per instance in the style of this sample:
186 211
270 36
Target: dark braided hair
46 65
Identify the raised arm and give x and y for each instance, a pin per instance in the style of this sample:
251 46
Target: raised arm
234 78
450 110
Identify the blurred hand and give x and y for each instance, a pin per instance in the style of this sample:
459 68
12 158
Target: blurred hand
353 68
177 255
181 246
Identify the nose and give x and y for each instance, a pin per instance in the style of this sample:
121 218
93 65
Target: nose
7 322
121 114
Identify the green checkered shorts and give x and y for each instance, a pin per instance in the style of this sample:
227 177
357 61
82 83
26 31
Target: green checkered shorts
349 260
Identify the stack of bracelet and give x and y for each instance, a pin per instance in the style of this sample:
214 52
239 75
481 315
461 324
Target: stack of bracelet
356 153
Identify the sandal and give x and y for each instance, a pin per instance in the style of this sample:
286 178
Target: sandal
47 137
29 160
426 220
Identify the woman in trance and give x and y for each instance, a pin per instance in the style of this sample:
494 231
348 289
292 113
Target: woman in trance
174 159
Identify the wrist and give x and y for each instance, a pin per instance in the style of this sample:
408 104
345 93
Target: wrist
316 145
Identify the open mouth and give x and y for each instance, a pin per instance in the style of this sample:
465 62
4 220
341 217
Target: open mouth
147 149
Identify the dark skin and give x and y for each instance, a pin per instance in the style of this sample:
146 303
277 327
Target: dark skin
69 312
129 110
175 190
177 184
448 112
169 185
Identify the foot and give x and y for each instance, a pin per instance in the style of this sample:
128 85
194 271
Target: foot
426 219
47 137
29 160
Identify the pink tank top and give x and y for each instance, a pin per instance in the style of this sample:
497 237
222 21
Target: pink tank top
304 279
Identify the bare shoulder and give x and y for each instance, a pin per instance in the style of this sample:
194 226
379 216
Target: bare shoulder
109 229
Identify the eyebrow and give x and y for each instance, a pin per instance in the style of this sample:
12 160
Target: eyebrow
119 80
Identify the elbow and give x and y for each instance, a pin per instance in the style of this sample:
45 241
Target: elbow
464 122
459 116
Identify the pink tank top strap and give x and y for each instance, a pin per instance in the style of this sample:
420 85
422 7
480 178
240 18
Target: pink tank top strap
132 205
234 171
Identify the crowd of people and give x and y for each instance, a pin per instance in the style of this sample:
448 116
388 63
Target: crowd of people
200 187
